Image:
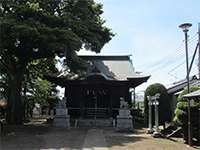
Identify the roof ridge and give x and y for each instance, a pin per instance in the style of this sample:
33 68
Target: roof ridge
108 55
105 57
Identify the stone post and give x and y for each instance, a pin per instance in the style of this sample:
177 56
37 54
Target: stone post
156 116
62 119
199 124
156 103
150 129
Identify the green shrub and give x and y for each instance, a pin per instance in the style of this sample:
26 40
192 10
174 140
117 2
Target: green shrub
181 115
164 102
181 107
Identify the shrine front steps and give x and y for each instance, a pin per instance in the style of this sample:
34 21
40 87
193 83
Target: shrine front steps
99 122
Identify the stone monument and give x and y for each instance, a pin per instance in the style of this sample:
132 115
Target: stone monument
124 119
37 110
62 119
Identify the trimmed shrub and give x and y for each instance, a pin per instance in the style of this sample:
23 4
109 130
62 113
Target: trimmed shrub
164 103
181 114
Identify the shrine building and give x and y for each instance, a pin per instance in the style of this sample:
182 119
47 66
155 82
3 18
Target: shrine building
98 93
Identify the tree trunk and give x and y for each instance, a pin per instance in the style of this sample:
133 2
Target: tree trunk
15 107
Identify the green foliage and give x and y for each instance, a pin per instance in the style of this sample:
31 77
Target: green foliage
42 28
164 102
36 29
182 105
36 88
181 114
42 91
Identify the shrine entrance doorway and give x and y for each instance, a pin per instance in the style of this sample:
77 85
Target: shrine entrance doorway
97 103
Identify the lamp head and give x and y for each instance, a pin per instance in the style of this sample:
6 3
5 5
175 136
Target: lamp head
185 26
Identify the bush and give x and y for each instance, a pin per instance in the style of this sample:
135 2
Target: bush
164 102
181 107
181 114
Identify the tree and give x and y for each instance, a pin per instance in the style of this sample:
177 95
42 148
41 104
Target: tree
181 113
41 93
164 102
35 88
36 29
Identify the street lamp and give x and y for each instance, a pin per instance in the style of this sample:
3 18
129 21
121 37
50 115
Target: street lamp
185 27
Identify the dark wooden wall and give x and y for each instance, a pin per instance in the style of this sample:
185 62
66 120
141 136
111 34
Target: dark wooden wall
107 96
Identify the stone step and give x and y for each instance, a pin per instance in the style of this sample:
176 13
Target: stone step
99 113
95 123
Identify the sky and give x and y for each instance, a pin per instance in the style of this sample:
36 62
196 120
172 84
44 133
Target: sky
148 30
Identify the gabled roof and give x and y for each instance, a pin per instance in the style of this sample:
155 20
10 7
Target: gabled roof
180 85
113 67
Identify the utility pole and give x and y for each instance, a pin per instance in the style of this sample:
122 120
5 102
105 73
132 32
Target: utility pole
199 49
185 27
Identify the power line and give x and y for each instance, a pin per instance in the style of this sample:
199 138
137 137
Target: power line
179 49
178 65
161 63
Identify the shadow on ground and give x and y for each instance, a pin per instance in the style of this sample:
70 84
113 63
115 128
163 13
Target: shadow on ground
41 137
38 135
121 140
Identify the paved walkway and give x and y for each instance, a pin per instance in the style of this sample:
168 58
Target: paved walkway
48 138
95 140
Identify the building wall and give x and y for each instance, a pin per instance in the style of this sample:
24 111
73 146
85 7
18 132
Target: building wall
81 97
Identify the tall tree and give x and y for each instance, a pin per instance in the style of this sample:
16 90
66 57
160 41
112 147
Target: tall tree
35 29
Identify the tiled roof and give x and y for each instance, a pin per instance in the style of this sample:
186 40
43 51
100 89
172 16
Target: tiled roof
180 85
111 67
193 94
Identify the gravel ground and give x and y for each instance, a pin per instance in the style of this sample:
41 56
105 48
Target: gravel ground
43 137
141 141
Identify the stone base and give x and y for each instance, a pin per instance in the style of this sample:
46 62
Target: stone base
150 131
157 134
94 123
124 123
62 121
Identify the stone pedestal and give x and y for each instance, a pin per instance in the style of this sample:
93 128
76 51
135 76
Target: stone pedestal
37 110
62 119
124 120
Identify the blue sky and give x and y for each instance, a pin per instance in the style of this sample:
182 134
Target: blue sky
148 30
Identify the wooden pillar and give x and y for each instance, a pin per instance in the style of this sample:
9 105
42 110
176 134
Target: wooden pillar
126 94
112 93
109 95
82 102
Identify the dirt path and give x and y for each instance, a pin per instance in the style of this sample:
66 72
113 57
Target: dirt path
95 140
141 141
49 138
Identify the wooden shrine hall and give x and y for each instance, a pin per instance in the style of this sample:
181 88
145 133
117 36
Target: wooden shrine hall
98 93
